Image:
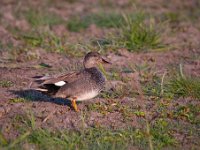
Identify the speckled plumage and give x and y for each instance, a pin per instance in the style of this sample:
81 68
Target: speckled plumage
80 86
91 81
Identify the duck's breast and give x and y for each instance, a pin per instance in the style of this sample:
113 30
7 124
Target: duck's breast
87 95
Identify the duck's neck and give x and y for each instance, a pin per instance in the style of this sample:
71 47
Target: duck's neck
88 66
97 75
91 68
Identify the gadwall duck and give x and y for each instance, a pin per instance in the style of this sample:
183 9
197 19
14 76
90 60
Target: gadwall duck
77 86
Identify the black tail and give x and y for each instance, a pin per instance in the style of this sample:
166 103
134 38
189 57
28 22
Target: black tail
49 89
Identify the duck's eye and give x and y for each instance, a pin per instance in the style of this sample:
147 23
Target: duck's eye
95 56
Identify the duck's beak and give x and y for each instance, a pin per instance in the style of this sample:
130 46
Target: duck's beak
105 61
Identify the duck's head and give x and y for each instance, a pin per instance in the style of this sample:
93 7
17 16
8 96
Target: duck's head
93 59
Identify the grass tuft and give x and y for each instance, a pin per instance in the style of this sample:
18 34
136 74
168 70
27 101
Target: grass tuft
140 34
185 87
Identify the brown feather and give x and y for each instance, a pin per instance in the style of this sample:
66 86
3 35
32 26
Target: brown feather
69 77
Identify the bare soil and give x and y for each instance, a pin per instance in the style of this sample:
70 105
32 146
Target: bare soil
56 113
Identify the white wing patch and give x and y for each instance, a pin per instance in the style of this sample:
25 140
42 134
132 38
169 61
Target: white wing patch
60 83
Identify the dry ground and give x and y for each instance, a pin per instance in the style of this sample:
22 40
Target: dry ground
151 100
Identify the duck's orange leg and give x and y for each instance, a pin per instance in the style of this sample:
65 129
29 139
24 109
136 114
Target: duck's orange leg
74 105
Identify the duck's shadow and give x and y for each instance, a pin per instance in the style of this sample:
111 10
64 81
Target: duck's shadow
33 95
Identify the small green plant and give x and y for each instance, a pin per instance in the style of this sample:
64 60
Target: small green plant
17 100
173 17
138 33
139 113
6 83
33 40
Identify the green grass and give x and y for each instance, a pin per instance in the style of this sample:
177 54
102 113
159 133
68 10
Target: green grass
76 24
174 86
87 138
185 87
119 92
113 105
46 40
156 89
172 17
188 113
161 134
6 83
109 20
186 13
42 18
51 43
139 33
100 138
17 100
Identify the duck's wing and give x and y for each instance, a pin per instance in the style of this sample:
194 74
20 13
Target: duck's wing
59 80
51 84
